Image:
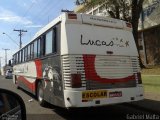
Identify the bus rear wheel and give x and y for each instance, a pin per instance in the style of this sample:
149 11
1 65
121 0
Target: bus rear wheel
40 94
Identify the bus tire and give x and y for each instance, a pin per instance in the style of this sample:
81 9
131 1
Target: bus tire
40 94
17 87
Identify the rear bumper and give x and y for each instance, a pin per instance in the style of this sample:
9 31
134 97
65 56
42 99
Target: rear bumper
74 98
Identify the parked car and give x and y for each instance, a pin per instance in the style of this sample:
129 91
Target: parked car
8 74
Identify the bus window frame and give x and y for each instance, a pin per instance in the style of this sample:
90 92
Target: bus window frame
51 51
38 47
35 54
54 32
41 41
54 40
42 45
23 51
19 56
29 52
26 53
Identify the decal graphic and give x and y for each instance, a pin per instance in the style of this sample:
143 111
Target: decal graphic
103 20
51 75
115 94
91 74
39 68
29 85
25 68
119 42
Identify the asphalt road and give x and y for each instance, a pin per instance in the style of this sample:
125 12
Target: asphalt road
36 112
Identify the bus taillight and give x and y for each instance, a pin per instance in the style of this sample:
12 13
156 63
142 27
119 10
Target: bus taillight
72 16
76 80
128 24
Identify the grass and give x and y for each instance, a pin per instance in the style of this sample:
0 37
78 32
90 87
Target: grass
151 70
151 79
151 83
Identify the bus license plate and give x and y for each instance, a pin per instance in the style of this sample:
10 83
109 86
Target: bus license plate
90 95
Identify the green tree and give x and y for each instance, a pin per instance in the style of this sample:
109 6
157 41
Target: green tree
128 10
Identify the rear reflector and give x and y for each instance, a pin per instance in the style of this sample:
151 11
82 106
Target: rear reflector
72 16
76 80
128 24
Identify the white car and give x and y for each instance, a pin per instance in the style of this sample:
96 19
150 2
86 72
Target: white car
8 74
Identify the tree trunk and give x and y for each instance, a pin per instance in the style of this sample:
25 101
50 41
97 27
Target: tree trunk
117 11
136 10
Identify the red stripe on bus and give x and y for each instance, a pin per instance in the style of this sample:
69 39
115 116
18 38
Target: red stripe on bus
38 68
30 85
91 74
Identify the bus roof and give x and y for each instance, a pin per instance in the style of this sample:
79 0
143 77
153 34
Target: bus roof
83 19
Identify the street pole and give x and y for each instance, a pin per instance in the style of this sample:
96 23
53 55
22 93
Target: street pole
0 66
0 62
5 55
20 35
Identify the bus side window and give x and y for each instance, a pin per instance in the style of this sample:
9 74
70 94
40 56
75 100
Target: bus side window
38 49
42 45
32 52
26 53
49 42
35 49
14 59
23 55
29 52
19 56
54 48
17 59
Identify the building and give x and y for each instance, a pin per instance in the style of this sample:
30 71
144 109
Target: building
149 28
99 9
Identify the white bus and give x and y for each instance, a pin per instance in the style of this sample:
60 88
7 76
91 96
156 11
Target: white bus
80 60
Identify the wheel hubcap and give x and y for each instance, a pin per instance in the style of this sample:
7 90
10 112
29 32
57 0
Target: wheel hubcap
40 97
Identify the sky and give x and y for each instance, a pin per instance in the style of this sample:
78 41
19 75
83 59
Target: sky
30 15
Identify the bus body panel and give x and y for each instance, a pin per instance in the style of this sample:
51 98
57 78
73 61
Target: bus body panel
25 75
106 58
74 98
102 21
48 71
97 40
53 84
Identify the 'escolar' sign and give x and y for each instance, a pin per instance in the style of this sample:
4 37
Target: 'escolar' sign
89 95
